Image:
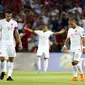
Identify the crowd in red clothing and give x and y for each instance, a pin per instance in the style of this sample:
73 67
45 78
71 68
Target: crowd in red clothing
55 13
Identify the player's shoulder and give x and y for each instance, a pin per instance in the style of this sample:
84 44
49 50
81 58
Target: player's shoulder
14 21
49 31
38 30
70 29
2 21
80 28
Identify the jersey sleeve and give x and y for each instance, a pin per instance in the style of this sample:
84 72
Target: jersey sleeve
16 26
82 32
51 33
38 32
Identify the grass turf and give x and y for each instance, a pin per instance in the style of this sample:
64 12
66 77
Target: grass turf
49 78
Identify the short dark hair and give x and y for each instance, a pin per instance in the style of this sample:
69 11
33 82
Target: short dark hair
8 11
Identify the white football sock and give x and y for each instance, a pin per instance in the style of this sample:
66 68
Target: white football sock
39 62
10 68
75 71
79 68
45 64
3 66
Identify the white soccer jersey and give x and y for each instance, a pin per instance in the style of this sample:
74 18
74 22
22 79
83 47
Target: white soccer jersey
75 38
43 38
7 31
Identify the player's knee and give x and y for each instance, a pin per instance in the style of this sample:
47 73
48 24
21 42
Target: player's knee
75 63
38 56
2 59
45 58
11 60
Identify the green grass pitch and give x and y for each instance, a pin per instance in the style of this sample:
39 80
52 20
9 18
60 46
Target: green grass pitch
49 78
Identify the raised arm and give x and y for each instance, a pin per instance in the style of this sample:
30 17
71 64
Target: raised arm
60 32
28 29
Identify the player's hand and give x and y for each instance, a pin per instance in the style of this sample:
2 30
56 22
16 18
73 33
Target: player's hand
64 48
25 27
62 31
20 46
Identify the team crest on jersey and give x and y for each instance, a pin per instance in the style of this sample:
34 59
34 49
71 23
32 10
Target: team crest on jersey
75 30
11 24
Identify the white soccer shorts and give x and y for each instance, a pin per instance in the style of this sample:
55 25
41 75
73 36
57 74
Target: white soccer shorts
75 55
42 51
8 51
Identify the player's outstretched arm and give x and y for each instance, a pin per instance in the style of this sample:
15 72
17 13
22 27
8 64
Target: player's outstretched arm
28 29
60 32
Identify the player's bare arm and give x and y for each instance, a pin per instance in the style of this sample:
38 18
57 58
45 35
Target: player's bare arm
81 44
18 39
60 32
28 29
66 43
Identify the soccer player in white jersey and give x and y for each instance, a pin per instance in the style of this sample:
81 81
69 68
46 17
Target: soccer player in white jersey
43 46
9 32
75 33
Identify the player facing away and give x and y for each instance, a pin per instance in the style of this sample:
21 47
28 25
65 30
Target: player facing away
9 32
75 33
43 45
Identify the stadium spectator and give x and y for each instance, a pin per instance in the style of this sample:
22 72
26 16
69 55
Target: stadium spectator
20 21
34 12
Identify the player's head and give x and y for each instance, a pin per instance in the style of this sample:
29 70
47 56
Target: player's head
45 28
8 15
72 23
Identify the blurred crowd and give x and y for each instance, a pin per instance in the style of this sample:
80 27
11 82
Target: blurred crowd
34 13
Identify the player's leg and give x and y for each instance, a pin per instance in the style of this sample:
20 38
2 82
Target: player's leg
6 73
77 57
2 63
74 67
39 54
10 68
12 55
46 58
3 59
82 77
38 64
3 67
75 72
45 64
